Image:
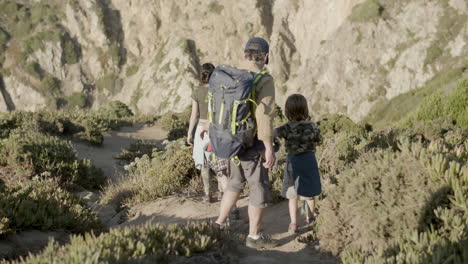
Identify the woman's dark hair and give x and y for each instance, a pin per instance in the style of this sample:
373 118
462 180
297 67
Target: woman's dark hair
206 71
296 108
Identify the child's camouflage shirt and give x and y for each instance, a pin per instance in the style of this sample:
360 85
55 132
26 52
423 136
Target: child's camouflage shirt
300 137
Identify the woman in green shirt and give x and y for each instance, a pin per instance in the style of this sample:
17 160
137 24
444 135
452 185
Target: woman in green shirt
199 122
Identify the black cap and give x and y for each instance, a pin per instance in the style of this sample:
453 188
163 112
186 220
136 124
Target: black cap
257 43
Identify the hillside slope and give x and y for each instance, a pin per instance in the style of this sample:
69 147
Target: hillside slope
345 56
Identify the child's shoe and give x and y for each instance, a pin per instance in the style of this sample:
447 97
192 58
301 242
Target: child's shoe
292 229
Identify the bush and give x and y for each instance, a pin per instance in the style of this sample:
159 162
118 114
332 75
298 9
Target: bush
43 205
50 86
453 106
386 199
71 51
366 11
136 150
171 120
332 124
110 82
166 172
30 153
132 70
176 123
144 244
113 117
119 110
77 100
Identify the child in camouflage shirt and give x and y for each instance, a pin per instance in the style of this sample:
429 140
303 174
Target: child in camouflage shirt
301 173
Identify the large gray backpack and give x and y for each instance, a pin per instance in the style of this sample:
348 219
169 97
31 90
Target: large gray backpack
231 108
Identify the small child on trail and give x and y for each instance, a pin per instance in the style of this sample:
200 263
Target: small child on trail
301 173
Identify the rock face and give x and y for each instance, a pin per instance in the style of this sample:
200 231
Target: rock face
344 55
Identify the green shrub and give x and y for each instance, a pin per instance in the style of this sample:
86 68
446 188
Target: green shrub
30 153
386 112
215 7
167 171
71 51
136 150
77 100
368 10
386 198
114 53
177 133
332 124
453 107
44 205
132 70
50 86
119 109
34 69
171 120
110 82
144 244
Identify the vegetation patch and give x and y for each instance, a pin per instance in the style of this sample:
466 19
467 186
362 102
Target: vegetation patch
44 205
137 149
71 50
366 11
77 100
390 111
132 70
151 177
111 83
407 205
143 244
215 7
27 153
453 106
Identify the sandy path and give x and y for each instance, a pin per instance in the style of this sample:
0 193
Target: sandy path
103 156
275 223
182 209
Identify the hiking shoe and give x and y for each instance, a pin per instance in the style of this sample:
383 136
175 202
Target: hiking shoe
292 229
263 241
234 215
220 227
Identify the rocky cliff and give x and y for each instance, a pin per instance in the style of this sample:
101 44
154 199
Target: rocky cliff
344 55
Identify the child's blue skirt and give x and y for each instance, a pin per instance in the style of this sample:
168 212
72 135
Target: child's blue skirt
301 173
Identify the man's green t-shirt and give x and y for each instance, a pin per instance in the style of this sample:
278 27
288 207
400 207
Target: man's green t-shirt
200 95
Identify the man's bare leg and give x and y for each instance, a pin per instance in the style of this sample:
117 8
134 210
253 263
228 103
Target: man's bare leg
255 219
227 203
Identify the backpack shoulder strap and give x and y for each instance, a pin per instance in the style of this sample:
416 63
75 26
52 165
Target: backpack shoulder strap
257 78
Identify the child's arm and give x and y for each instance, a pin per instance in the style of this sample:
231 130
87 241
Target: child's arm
279 132
317 137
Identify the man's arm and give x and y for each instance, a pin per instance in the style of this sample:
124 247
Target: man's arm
264 116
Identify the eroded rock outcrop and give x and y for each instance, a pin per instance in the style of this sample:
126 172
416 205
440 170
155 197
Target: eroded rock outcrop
148 53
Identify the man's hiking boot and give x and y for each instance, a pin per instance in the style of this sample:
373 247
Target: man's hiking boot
263 241
234 215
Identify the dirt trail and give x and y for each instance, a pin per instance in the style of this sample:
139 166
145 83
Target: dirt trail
181 209
104 156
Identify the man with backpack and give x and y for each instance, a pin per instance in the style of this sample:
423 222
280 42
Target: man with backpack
241 109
